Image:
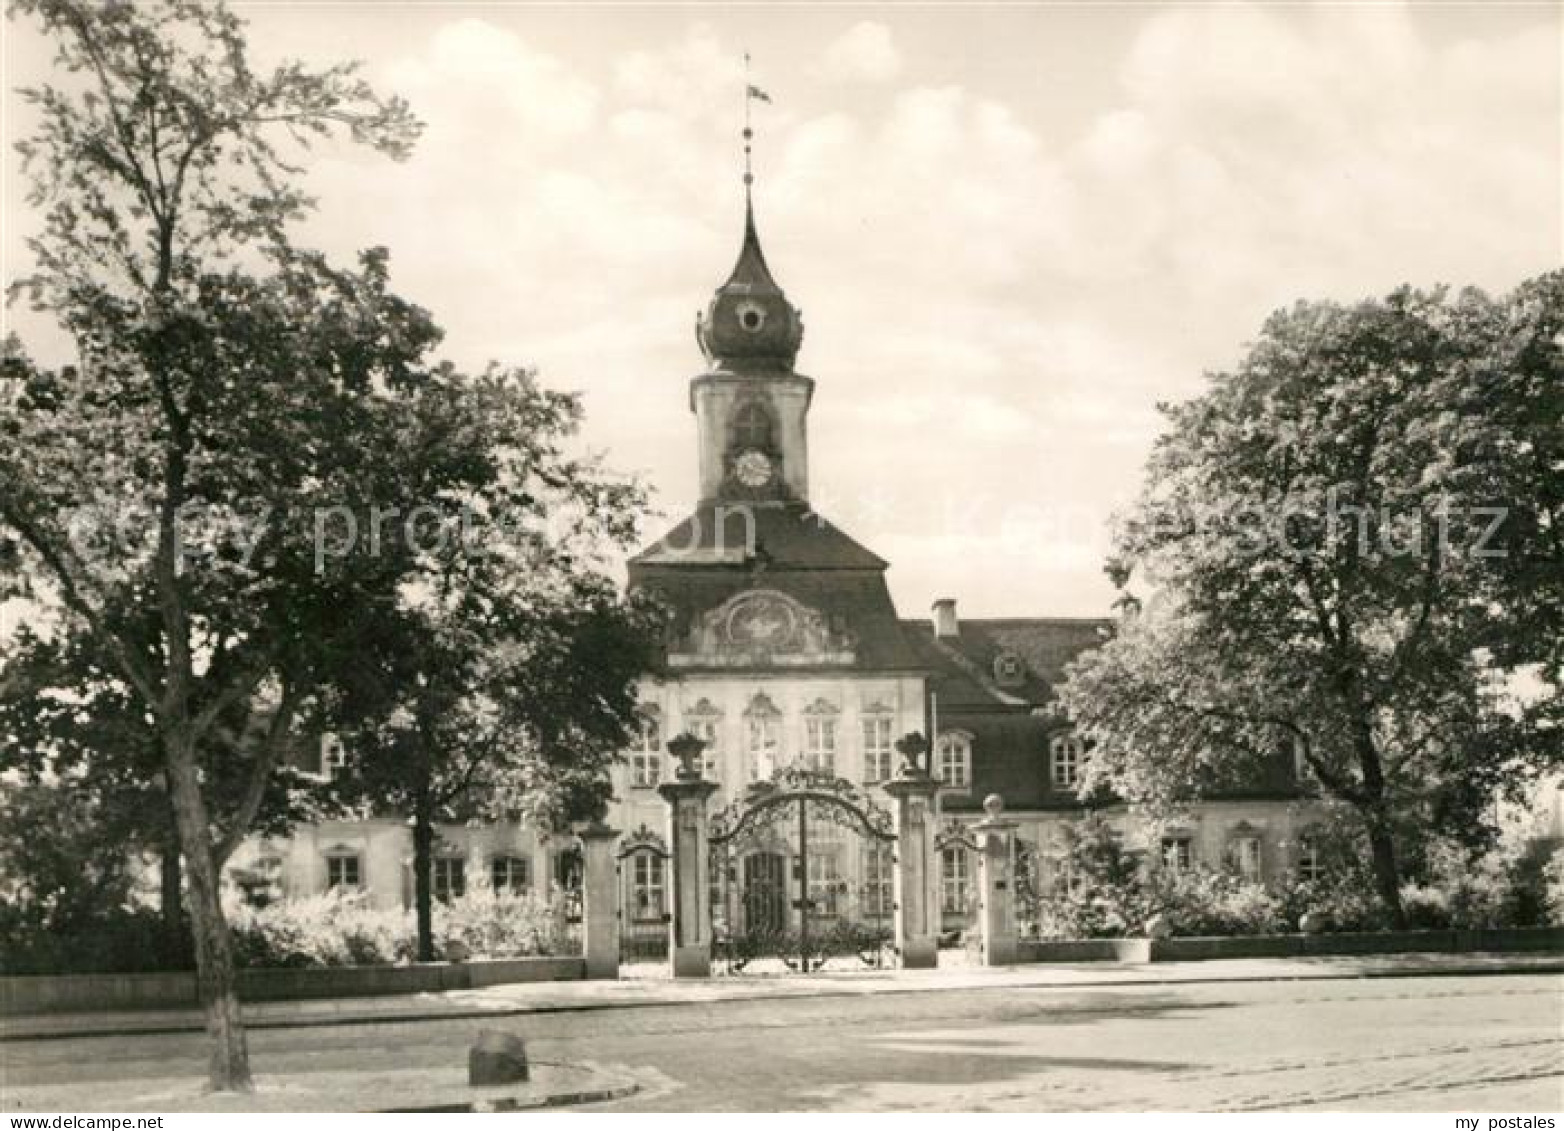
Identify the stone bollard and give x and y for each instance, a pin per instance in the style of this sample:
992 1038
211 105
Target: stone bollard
496 1057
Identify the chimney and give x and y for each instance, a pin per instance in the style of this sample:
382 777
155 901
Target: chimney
945 623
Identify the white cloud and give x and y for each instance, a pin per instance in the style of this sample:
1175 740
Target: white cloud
995 297
483 71
864 52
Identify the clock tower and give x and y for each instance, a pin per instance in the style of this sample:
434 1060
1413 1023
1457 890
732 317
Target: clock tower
750 407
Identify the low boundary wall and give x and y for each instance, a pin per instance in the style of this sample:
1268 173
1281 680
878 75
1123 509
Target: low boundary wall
177 989
1509 940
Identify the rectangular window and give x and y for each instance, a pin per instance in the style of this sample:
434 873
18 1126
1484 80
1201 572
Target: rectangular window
825 883
955 879
333 757
877 748
878 891
765 741
646 760
1245 854
344 870
1177 854
1066 760
646 890
820 744
709 732
511 874
450 878
1310 867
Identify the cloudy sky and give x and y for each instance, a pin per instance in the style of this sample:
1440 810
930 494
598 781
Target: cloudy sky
1012 230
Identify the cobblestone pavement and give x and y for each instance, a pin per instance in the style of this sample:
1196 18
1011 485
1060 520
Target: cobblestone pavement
1411 1044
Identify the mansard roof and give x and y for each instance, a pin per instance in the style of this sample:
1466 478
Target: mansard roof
779 535
963 665
724 550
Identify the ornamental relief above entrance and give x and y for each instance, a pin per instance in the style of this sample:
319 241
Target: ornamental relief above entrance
763 628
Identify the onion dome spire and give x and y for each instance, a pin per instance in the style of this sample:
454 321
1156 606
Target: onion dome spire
749 324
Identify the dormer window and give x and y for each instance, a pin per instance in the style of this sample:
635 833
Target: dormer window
1064 760
1009 671
953 760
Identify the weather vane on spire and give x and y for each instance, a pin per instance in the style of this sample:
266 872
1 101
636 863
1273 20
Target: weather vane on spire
751 93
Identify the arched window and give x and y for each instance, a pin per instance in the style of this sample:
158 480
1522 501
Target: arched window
752 427
704 721
955 879
1064 760
763 736
953 759
647 887
820 736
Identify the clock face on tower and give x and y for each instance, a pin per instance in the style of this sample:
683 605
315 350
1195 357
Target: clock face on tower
753 468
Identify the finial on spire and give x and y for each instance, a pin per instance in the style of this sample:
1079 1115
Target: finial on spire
751 93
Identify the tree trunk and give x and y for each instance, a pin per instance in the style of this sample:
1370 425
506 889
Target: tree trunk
229 1067
423 876
170 895
1387 869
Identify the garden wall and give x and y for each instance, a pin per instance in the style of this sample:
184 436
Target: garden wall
177 990
1507 940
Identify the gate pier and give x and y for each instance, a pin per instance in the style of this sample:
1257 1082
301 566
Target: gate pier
599 892
689 943
996 883
917 893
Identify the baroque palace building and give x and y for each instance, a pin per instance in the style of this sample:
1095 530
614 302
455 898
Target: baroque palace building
785 649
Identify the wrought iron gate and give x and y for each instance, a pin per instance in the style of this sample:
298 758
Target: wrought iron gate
801 875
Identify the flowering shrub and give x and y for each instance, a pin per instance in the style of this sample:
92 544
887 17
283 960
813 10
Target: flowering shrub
340 930
489 924
1503 887
1553 888
1206 902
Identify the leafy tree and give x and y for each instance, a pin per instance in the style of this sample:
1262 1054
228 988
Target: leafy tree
229 389
69 722
1353 543
504 679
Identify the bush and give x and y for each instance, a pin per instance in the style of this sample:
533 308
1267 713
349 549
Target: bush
120 941
1553 888
1203 902
489 924
1505 886
340 930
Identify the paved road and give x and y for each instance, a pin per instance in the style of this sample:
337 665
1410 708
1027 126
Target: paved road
1408 1044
